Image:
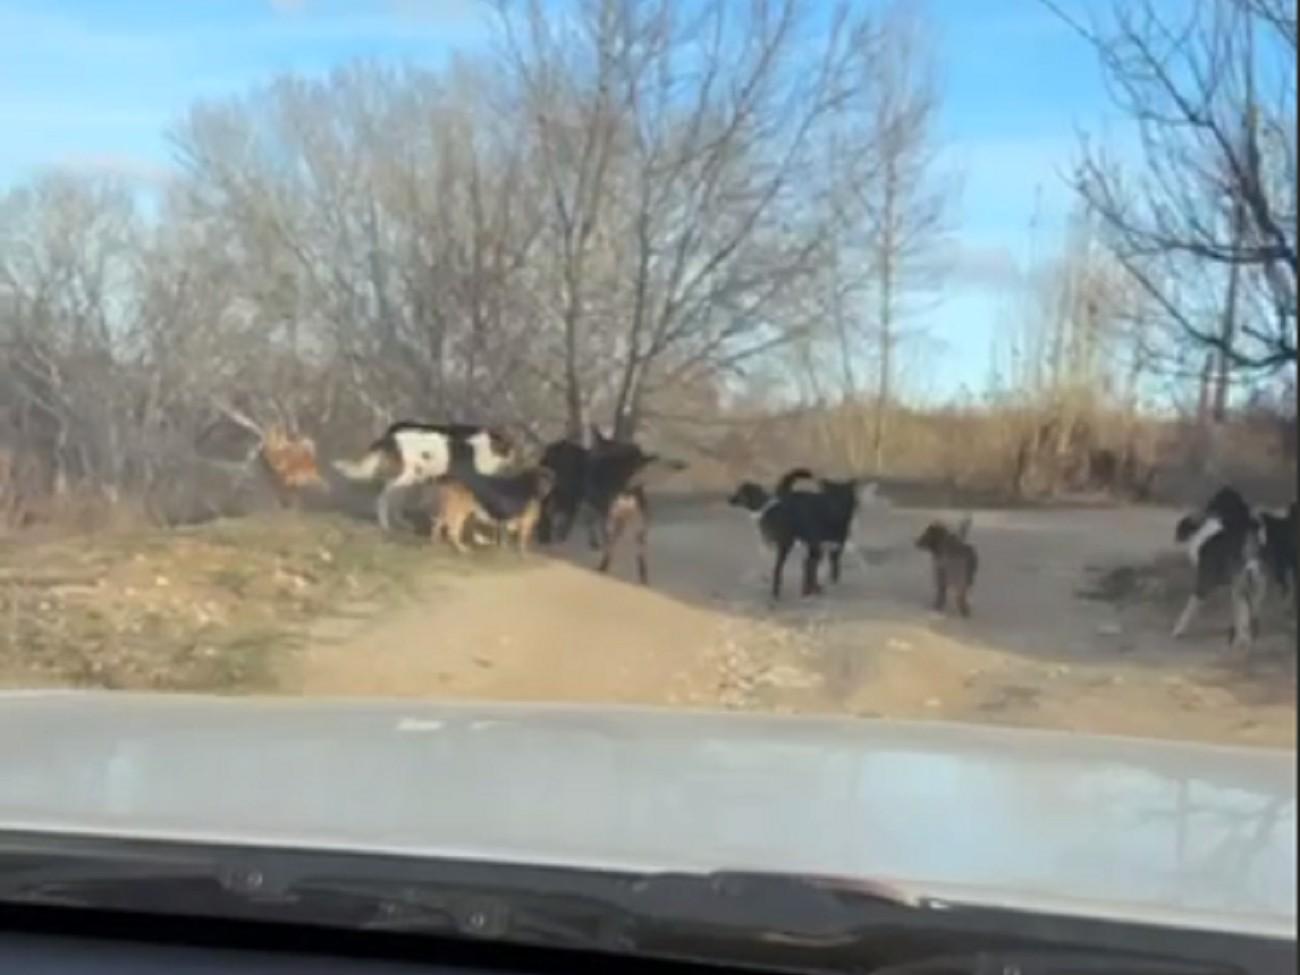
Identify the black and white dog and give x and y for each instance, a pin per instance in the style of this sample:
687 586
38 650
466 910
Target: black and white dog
410 453
816 512
1231 546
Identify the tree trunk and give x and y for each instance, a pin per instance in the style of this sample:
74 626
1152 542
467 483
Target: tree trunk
884 381
574 418
1227 333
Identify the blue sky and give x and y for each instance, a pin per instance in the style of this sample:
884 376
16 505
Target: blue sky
93 84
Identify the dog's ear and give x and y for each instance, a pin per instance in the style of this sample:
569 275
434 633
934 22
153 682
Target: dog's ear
501 441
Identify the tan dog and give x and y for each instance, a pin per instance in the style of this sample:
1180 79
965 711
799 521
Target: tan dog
291 463
955 563
512 503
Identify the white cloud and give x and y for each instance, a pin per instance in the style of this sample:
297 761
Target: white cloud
981 264
136 169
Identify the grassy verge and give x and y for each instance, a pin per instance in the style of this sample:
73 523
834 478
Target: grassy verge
207 608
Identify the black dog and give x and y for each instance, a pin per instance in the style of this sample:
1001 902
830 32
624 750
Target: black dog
607 481
1280 537
818 519
838 503
1225 545
568 460
782 521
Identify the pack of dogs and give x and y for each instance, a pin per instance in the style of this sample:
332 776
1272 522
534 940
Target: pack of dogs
471 470
478 484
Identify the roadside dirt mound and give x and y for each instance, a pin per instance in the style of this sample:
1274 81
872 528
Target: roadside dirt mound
555 631
550 632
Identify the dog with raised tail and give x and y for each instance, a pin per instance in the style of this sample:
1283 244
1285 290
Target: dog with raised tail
838 501
954 561
410 453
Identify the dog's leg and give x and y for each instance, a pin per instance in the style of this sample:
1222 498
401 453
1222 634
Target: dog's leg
613 532
642 514
642 563
596 528
940 588
529 525
963 597
453 528
1244 625
1255 585
1189 613
563 514
783 547
382 504
837 553
811 563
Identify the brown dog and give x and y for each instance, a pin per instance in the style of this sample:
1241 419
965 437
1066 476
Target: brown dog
512 503
955 563
291 463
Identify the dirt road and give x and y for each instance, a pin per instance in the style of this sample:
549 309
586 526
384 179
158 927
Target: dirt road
1040 651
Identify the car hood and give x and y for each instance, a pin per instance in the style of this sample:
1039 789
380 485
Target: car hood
1117 828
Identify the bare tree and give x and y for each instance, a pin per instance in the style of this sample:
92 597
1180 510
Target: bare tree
726 229
908 201
569 110
1206 224
66 276
375 221
892 201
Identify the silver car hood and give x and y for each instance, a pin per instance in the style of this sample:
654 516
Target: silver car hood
1127 829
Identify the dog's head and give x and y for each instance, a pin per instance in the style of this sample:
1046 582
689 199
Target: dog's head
749 496
292 460
935 538
493 449
501 443
1230 508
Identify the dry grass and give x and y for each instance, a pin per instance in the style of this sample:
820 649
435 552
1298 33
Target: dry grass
205 608
992 453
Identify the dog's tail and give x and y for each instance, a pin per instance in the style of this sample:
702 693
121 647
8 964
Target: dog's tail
962 531
869 494
365 469
790 478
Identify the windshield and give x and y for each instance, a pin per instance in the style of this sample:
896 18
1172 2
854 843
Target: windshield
927 368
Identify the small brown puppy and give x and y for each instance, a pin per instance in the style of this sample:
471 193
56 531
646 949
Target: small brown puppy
955 563
512 503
